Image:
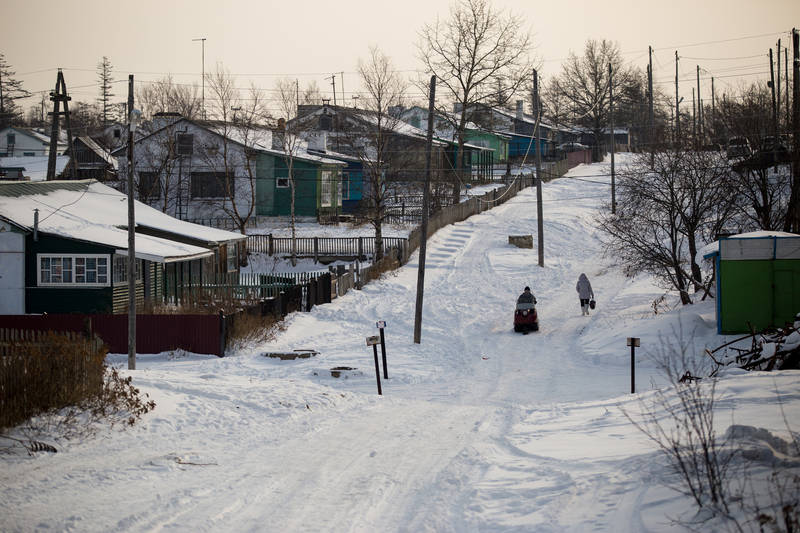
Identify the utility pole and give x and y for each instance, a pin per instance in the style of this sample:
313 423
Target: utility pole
333 82
57 96
613 139
203 46
651 118
537 107
699 111
677 103
794 202
694 121
344 100
713 112
778 91
786 78
131 239
774 110
424 227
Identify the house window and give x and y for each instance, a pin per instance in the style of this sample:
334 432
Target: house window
149 186
282 183
29 154
345 186
326 189
231 255
117 133
212 185
185 143
73 270
121 269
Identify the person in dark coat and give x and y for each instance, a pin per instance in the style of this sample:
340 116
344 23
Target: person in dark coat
585 293
526 297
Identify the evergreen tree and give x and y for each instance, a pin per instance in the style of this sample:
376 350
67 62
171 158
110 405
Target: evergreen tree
10 90
104 77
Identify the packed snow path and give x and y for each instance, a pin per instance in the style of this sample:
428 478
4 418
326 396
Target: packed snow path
479 428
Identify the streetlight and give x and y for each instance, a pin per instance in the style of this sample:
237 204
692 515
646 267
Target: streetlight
133 121
203 43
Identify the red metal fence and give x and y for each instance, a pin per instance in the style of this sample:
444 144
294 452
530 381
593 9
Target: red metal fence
154 333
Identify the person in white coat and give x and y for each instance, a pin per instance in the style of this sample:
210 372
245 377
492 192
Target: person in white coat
585 293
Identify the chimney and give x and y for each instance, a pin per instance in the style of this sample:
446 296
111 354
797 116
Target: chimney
318 140
520 109
164 118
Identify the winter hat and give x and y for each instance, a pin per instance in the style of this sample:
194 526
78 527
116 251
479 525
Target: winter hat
527 288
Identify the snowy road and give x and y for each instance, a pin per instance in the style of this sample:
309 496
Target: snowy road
479 428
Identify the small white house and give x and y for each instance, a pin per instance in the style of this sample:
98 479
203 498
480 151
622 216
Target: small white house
22 142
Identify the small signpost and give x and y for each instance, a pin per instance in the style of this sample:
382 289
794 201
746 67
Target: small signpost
381 324
373 341
633 342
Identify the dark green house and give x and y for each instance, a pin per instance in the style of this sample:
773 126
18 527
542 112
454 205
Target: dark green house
67 249
317 179
758 281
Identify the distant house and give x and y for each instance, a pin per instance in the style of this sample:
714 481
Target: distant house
485 147
758 280
204 171
92 160
33 168
65 247
350 131
23 142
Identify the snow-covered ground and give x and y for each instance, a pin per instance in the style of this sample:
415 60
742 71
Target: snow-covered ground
478 428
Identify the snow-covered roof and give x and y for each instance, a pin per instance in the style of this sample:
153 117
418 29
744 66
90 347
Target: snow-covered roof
35 166
712 248
89 211
99 150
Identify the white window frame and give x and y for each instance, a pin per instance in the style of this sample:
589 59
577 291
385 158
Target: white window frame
231 256
119 265
282 183
325 189
73 283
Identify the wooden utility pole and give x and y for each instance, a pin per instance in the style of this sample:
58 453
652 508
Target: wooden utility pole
774 110
694 121
713 112
423 237
793 220
786 78
778 88
651 115
58 96
333 82
677 103
203 79
699 112
537 107
131 239
613 139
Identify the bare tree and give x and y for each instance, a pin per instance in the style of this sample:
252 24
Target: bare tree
665 211
584 82
383 90
165 95
479 55
311 95
105 80
10 91
289 131
239 122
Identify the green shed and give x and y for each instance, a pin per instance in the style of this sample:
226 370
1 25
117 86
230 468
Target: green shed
758 281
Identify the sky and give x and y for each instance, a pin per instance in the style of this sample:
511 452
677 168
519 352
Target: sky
265 40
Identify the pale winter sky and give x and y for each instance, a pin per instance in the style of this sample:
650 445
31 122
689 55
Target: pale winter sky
264 40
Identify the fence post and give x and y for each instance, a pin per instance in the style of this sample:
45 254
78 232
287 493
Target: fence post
283 303
222 333
312 295
316 249
270 245
360 247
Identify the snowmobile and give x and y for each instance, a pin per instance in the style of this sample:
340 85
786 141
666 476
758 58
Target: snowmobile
525 318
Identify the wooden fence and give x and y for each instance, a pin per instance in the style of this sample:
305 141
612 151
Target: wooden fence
321 247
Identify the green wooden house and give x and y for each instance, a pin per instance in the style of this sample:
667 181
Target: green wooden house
758 281
67 244
317 179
